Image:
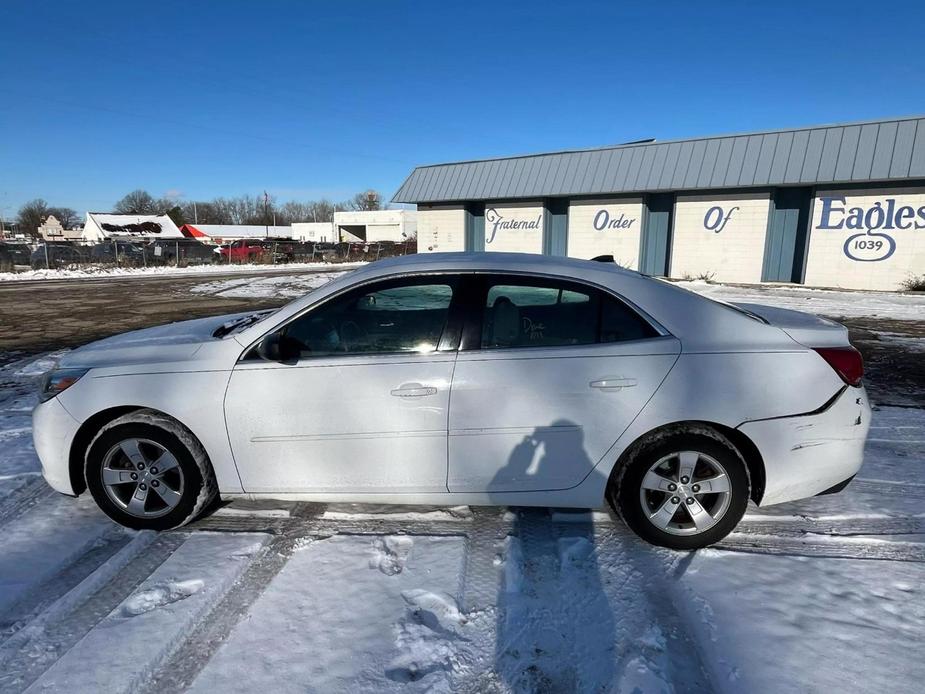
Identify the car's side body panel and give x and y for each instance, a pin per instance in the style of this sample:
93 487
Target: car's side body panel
332 424
200 410
729 389
542 419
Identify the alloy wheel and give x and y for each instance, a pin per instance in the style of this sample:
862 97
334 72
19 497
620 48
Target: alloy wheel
685 493
142 478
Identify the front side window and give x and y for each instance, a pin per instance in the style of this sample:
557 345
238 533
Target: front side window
548 313
385 319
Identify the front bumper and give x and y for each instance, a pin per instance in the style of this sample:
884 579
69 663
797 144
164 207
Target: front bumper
809 454
53 431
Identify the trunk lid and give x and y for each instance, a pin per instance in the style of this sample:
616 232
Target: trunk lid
806 328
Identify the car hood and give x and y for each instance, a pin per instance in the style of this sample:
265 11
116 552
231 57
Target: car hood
174 342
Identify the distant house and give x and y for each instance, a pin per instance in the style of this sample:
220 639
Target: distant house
101 227
222 233
53 230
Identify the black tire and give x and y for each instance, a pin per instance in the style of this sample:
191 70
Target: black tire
623 492
199 487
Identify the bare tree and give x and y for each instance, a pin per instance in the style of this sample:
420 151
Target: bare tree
367 200
321 211
137 202
31 216
204 213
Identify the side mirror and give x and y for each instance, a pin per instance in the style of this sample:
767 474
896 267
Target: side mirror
277 347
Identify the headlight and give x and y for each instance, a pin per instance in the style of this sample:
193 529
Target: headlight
59 380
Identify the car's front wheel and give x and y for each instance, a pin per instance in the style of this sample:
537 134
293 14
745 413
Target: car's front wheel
682 489
148 472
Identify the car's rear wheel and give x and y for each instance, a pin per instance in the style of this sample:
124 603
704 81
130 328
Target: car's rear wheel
148 472
684 489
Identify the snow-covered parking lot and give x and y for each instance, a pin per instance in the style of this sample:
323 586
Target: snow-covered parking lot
821 595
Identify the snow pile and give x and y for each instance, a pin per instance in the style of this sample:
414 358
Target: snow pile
160 595
391 554
95 272
356 512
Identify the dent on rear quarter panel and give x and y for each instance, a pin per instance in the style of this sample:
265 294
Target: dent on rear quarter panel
729 389
809 454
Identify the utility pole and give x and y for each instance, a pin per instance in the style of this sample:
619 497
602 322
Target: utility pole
266 215
195 214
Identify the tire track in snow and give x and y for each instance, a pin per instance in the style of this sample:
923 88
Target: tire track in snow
663 640
800 527
20 667
203 640
829 546
147 625
43 596
23 499
888 489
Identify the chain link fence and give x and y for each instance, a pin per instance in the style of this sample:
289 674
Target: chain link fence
187 252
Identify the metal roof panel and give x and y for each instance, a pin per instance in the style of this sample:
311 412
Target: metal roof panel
876 150
722 162
864 158
797 157
781 156
813 156
902 151
917 163
883 151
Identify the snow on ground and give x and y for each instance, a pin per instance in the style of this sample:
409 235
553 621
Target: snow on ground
148 626
96 272
798 624
826 302
289 286
394 633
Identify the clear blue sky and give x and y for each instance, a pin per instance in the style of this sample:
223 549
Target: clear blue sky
311 99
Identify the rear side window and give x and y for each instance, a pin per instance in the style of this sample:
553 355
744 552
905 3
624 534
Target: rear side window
548 313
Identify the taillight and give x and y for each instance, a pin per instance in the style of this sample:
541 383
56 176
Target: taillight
846 361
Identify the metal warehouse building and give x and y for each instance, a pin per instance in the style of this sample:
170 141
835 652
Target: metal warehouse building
830 206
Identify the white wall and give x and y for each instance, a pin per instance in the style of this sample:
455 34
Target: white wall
721 236
606 227
381 225
441 228
385 232
856 240
320 232
514 227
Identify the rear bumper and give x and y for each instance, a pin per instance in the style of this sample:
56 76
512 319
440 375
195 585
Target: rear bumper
806 455
53 431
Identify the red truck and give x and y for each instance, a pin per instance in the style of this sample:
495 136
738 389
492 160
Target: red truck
244 250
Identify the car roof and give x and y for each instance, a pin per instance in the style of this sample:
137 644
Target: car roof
492 262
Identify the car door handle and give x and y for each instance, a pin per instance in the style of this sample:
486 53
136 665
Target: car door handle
613 383
413 390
